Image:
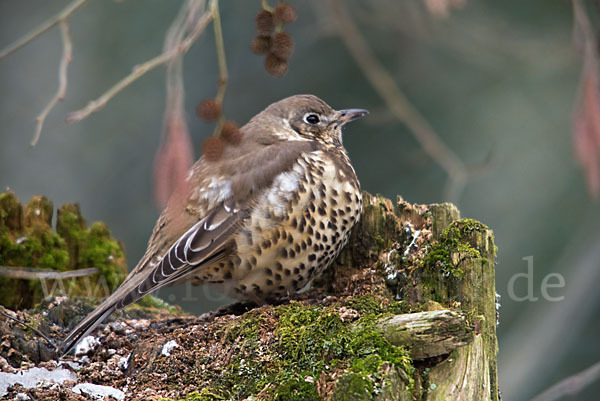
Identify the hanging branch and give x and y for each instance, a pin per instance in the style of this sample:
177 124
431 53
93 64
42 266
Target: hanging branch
62 81
222 62
141 70
58 18
219 43
175 154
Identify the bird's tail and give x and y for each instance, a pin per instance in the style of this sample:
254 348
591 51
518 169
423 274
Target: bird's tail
86 326
123 296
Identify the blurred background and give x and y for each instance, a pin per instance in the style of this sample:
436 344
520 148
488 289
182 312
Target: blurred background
496 82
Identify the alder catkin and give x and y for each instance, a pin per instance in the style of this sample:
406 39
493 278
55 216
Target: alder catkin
209 109
282 45
264 22
261 44
285 13
230 132
275 66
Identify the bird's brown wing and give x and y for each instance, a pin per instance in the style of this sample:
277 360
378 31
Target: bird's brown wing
204 243
188 238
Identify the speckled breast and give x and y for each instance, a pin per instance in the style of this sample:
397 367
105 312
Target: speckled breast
295 231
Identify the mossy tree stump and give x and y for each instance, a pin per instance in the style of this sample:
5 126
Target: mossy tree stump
407 312
442 268
442 264
29 244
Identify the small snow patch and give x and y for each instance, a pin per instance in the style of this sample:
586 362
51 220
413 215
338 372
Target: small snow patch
86 345
21 397
123 363
139 324
33 377
98 392
168 347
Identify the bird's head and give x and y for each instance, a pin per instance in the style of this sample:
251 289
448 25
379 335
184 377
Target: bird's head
306 117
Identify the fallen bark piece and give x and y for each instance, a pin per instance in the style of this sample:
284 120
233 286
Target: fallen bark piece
428 334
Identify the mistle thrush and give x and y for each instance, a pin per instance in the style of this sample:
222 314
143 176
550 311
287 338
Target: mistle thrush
261 221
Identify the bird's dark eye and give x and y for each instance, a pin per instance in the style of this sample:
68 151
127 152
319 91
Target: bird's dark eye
312 119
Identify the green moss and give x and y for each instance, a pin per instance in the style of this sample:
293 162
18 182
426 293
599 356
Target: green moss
11 211
311 336
365 304
33 248
278 353
442 254
100 250
313 339
203 395
152 302
355 387
27 240
291 386
370 304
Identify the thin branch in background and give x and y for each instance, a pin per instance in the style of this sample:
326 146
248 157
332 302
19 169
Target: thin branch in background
141 70
265 5
571 385
385 85
32 273
58 18
175 154
223 76
36 331
62 80
222 62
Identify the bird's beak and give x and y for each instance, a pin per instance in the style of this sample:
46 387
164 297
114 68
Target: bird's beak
345 116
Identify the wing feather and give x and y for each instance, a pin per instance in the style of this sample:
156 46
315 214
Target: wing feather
207 241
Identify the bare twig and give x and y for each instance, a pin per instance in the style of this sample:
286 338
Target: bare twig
222 61
265 5
142 69
571 385
32 273
385 85
184 23
62 80
36 331
61 16
223 77
175 154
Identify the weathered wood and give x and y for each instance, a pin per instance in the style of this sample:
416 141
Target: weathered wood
407 312
476 296
428 334
29 273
